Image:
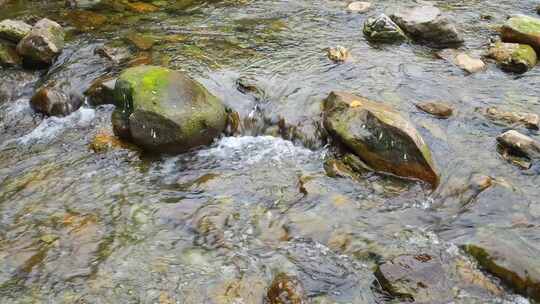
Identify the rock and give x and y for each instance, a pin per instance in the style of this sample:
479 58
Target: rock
52 101
520 144
529 120
523 30
286 289
427 24
9 56
142 7
438 109
379 136
462 60
44 42
338 54
359 6
118 55
458 193
509 257
383 29
86 20
84 4
163 110
513 57
104 141
101 91
14 30
141 42
420 279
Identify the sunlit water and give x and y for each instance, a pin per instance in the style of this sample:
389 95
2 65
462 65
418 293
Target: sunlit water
120 227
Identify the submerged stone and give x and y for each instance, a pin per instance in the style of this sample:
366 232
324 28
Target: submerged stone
509 257
523 30
462 60
44 42
286 289
383 29
419 278
359 6
529 120
14 30
379 136
438 109
9 56
427 24
163 110
513 57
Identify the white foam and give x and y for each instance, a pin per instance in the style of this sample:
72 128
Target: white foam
50 127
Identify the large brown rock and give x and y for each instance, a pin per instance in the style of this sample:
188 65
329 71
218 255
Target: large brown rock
380 136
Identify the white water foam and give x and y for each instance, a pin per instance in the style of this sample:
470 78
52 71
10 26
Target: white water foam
50 127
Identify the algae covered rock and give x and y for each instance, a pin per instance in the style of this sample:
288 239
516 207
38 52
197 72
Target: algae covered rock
427 24
8 56
508 256
380 136
163 110
383 29
513 57
14 30
44 42
522 29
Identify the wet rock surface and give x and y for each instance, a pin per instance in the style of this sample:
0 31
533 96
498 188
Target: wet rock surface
286 289
520 143
513 57
383 29
379 135
523 30
43 43
462 60
507 256
438 109
166 111
427 24
529 120
53 101
14 30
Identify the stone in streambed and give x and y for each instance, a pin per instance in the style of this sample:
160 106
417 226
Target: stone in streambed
427 24
419 278
14 30
383 29
379 136
43 44
523 30
52 101
9 56
529 120
358 7
162 110
462 60
513 57
338 54
286 289
506 255
520 143
101 91
438 109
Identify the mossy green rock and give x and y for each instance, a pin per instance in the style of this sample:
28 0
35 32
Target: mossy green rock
14 30
162 110
513 57
380 136
508 256
522 29
8 56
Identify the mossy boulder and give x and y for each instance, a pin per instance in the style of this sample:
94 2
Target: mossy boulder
8 56
14 30
513 57
508 256
43 44
427 24
380 136
522 29
383 29
162 110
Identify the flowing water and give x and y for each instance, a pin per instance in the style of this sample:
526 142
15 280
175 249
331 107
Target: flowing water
217 224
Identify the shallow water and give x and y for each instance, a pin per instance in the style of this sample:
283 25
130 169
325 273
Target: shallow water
215 225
